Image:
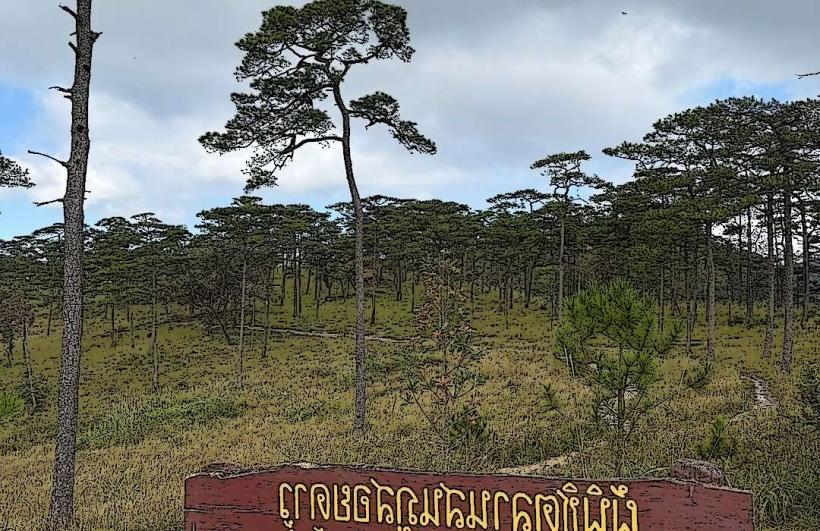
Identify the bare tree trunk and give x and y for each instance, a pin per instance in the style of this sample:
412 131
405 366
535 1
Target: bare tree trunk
154 328
375 286
297 274
10 349
661 300
267 315
768 339
50 317
788 284
253 322
61 510
113 324
29 366
561 269
806 261
413 293
690 295
749 303
282 283
710 298
242 322
358 216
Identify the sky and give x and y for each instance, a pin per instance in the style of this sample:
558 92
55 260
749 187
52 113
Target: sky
496 84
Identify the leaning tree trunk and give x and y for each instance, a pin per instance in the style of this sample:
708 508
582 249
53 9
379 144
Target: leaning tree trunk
768 340
788 282
61 510
358 257
710 296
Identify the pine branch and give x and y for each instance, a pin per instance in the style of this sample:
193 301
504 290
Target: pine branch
62 163
69 11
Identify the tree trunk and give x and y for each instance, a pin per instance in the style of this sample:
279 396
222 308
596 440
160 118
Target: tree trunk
788 282
375 286
358 255
61 510
806 262
413 293
29 366
10 349
267 315
50 317
242 322
768 339
561 269
661 300
154 328
282 283
297 284
710 298
749 303
689 273
113 324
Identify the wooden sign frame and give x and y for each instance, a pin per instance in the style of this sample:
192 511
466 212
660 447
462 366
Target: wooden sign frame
329 498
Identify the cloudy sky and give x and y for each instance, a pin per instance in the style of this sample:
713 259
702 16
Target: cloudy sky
496 83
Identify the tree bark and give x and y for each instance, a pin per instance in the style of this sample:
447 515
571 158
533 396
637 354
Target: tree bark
661 301
806 261
50 316
29 366
61 510
749 303
710 298
561 269
788 281
242 322
768 339
358 257
154 329
267 314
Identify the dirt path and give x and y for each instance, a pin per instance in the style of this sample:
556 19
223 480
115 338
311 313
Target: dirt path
762 400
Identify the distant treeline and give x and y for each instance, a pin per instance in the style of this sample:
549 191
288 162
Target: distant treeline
723 199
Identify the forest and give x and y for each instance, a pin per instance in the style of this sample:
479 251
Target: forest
578 327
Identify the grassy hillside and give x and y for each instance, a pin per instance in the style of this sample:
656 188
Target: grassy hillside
137 446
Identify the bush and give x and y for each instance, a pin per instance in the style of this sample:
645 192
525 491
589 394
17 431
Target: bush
717 444
443 380
11 407
808 386
38 386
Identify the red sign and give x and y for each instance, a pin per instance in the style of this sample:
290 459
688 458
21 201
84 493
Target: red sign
335 498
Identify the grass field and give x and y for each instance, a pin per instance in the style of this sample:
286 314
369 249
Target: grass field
137 446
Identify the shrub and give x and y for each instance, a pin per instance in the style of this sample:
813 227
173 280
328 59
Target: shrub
11 407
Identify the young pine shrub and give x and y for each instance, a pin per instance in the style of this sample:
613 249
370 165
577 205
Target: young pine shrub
609 338
808 388
443 386
718 444
11 407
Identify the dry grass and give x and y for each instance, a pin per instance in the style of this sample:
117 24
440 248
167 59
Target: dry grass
138 447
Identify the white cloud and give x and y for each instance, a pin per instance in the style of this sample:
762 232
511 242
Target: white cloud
495 84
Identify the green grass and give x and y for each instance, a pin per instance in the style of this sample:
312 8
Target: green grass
136 446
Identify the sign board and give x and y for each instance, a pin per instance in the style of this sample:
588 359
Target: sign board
313 498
